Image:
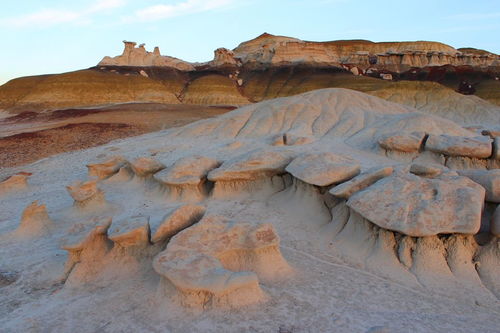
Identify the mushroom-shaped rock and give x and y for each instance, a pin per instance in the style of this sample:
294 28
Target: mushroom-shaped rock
252 165
323 169
478 147
15 182
87 244
146 166
218 262
35 221
418 206
85 193
360 182
495 222
132 231
106 169
426 169
401 141
81 234
489 179
176 220
191 170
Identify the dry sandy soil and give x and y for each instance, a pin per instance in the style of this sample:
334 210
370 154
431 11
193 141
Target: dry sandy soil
30 136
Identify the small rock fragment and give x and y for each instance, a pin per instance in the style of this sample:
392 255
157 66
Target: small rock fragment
426 170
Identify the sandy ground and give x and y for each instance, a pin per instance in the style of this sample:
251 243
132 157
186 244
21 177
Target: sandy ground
30 136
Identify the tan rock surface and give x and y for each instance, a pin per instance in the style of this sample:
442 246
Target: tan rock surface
489 179
495 223
176 220
190 170
323 169
360 182
106 169
219 262
132 231
404 142
252 165
479 147
146 166
418 206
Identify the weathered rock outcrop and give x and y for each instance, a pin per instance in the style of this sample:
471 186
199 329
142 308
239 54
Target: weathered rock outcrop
35 222
219 262
419 207
360 182
404 142
106 169
14 183
138 56
86 194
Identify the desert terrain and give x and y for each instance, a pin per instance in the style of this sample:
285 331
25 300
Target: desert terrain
284 186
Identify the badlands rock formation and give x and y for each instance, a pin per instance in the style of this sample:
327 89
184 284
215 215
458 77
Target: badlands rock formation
138 56
344 231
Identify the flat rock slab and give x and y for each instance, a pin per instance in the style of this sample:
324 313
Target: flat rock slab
323 169
403 142
189 170
478 147
107 168
360 182
418 207
252 165
145 166
131 231
489 179
176 220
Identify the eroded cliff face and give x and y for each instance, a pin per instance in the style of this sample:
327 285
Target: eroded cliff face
270 50
394 56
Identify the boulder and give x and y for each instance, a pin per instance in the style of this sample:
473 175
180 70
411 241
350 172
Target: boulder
360 182
131 231
495 222
106 169
489 179
478 147
401 141
253 165
418 207
219 262
323 169
85 193
191 170
176 220
81 234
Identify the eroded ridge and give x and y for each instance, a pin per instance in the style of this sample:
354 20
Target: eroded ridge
219 262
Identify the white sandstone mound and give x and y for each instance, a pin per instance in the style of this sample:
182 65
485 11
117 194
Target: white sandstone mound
379 228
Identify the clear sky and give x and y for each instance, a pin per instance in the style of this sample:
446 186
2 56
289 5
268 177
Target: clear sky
51 36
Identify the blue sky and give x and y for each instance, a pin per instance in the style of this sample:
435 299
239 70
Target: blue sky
52 36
